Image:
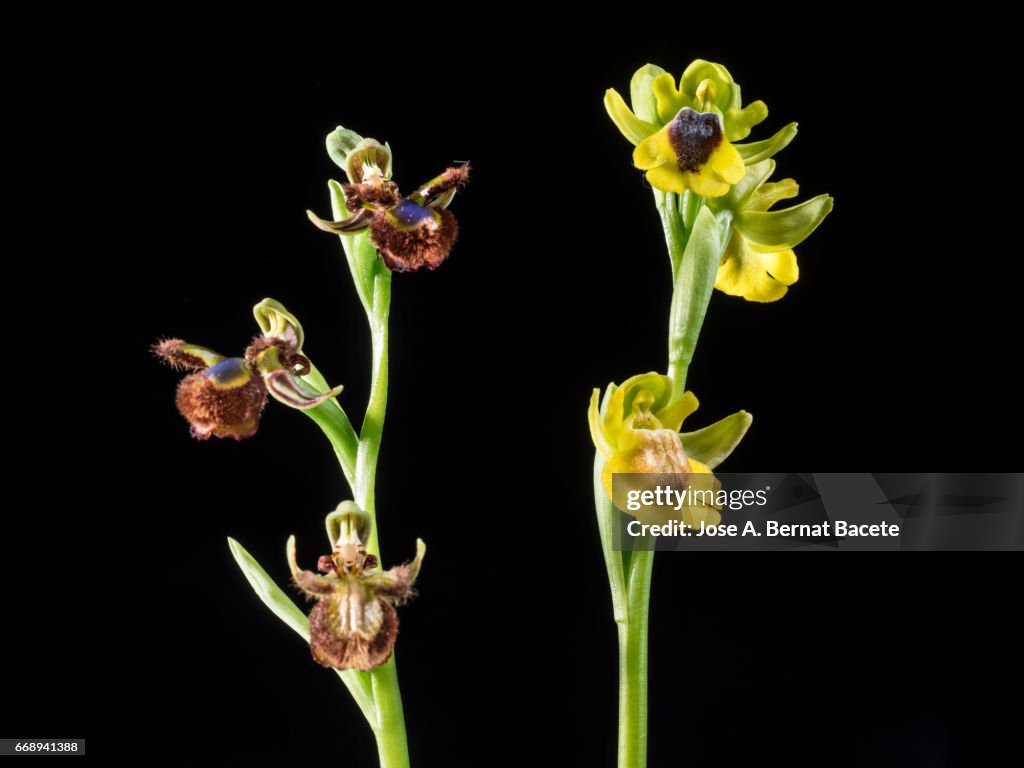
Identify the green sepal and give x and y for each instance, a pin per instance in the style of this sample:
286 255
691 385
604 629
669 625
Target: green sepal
633 128
727 95
351 152
757 151
349 519
340 144
274 319
641 94
770 231
713 444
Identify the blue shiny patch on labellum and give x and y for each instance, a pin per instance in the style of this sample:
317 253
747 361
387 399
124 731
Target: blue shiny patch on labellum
230 371
410 214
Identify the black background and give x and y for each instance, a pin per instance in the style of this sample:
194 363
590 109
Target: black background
160 190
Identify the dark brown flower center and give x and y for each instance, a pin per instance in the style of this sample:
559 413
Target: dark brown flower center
694 136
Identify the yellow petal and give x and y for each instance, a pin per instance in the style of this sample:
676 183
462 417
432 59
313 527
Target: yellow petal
727 163
670 100
706 183
653 151
668 178
673 415
782 266
753 275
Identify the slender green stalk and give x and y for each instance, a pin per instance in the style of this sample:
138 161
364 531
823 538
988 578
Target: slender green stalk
633 664
373 421
389 730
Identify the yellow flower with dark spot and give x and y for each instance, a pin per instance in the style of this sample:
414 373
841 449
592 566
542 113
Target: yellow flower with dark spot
685 134
690 152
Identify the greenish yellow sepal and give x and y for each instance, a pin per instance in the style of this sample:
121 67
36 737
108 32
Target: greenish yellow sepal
633 128
757 151
770 231
713 444
276 321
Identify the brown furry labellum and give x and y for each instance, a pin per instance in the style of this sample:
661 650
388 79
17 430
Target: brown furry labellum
223 397
424 243
225 400
354 623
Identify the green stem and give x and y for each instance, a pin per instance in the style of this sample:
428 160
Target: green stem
633 664
373 421
389 730
389 725
696 239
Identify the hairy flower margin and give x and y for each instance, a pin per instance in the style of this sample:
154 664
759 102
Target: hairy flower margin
684 136
225 396
354 623
636 427
411 233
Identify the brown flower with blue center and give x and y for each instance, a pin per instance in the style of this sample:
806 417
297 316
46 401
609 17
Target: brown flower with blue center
225 396
411 233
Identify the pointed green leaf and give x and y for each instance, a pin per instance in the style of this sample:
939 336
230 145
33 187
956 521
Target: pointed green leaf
770 231
757 151
282 606
633 128
713 444
267 591
645 107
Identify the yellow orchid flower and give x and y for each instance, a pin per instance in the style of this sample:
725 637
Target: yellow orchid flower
684 134
759 263
637 432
